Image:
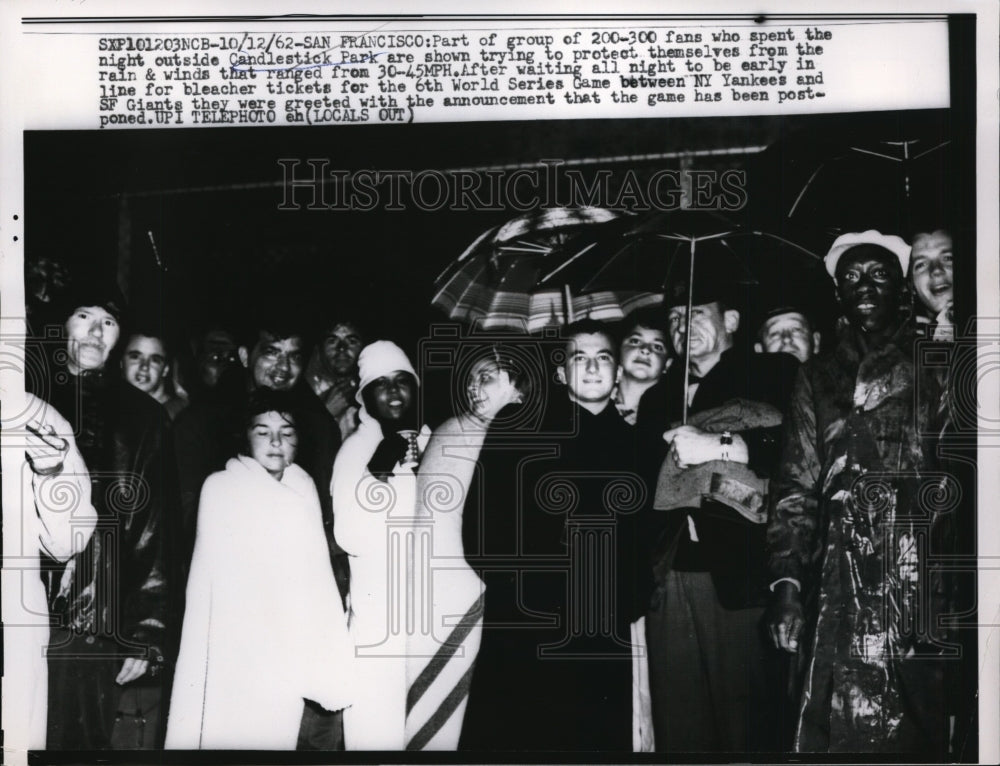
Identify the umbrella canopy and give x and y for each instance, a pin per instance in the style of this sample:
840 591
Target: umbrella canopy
665 249
889 185
656 251
497 282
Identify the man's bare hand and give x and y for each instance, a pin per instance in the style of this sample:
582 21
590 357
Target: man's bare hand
690 445
132 669
339 396
45 450
784 617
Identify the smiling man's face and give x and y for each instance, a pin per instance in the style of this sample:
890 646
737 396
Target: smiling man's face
590 367
275 363
869 286
932 271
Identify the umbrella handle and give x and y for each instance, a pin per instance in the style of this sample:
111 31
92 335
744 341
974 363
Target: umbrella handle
687 337
568 301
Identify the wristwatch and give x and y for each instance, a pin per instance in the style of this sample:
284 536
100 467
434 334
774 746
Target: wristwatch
726 440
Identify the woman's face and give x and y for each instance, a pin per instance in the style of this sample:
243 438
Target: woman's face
391 396
273 440
490 389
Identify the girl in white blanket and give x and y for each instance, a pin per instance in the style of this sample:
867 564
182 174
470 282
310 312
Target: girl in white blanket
264 628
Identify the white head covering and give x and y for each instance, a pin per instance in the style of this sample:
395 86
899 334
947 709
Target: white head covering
383 357
845 242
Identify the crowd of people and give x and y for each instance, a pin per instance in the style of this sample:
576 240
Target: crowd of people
680 534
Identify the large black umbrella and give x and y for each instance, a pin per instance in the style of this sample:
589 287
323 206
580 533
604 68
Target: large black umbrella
890 185
667 247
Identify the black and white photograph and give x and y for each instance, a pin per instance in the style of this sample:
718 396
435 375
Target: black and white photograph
651 439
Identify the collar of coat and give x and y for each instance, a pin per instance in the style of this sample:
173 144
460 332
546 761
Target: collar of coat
882 372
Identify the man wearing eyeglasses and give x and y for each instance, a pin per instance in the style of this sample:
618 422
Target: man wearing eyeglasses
215 353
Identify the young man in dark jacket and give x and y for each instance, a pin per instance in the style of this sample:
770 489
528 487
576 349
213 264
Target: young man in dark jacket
556 540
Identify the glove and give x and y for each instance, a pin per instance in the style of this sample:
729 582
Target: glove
390 451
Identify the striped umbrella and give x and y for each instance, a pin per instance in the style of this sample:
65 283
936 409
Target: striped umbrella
508 277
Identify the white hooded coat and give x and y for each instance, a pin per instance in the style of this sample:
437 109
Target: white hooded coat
373 523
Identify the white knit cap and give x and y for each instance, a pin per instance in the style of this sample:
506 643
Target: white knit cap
383 357
845 242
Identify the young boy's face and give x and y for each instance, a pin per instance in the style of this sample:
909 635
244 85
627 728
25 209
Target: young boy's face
644 354
144 363
590 370
932 274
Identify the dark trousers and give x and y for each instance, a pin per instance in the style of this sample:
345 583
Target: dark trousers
708 671
82 694
320 729
139 717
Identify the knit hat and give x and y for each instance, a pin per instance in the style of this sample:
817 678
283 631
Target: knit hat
383 357
845 242
91 291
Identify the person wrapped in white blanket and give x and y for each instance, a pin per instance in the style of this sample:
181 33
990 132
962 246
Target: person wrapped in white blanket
264 629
